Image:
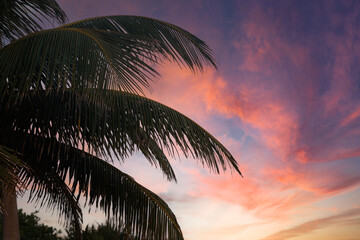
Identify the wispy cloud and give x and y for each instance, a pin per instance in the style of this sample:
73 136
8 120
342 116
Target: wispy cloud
350 217
286 99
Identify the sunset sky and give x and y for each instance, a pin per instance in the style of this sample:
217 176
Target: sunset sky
285 101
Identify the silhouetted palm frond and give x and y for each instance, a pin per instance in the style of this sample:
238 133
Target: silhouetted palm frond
21 17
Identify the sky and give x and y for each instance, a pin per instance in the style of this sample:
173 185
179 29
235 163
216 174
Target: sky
285 100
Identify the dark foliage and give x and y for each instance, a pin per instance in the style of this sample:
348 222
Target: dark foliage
32 229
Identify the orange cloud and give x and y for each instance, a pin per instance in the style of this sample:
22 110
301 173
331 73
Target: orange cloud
275 121
210 94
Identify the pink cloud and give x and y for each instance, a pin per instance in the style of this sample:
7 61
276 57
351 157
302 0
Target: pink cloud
299 107
263 200
277 193
299 104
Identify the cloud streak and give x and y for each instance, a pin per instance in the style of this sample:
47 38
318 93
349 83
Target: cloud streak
350 217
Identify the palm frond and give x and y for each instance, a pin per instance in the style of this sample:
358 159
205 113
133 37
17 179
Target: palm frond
49 190
182 46
103 186
118 123
69 58
21 17
154 154
10 165
116 52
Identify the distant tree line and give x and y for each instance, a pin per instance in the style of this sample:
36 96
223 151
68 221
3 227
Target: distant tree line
32 229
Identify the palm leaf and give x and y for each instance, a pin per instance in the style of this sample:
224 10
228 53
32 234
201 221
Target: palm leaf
182 46
10 165
22 171
21 17
48 189
116 123
116 52
154 154
103 186
75 58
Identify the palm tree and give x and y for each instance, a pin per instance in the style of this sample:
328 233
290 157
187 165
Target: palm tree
72 102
